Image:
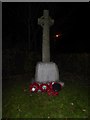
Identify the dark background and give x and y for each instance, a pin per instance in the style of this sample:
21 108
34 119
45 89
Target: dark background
22 36
71 22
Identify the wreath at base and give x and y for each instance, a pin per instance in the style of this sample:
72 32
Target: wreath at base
52 88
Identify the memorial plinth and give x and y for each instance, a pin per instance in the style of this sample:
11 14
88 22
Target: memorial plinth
46 72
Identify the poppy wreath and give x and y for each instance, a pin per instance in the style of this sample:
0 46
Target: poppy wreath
34 87
54 88
44 87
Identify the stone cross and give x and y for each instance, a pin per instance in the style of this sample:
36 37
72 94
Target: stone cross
46 71
45 21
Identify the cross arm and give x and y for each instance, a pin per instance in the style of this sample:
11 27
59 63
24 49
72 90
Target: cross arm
51 21
41 21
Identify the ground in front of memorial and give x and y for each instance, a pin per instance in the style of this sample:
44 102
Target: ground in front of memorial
18 102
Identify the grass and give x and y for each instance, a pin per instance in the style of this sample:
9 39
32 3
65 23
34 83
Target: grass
72 101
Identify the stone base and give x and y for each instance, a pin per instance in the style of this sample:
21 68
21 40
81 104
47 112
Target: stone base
46 72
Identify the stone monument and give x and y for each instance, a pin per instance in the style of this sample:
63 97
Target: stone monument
46 71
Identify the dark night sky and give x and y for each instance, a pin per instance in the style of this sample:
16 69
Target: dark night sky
71 21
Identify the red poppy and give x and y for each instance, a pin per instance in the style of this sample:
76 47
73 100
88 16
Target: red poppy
34 87
44 87
50 91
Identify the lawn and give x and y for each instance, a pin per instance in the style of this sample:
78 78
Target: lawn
18 102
